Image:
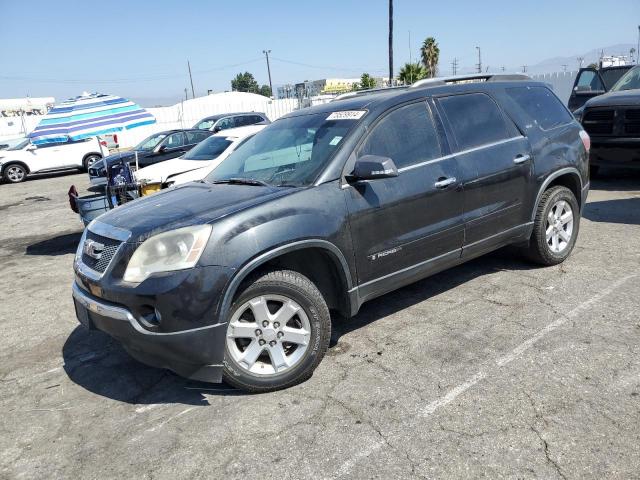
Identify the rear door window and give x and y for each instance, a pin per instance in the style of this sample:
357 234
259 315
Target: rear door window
541 105
195 137
475 120
407 135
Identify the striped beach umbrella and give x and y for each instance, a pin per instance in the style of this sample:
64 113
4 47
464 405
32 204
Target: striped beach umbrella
87 116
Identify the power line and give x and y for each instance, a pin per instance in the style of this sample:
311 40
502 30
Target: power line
454 67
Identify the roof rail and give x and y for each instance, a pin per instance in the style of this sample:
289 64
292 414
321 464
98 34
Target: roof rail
370 91
483 77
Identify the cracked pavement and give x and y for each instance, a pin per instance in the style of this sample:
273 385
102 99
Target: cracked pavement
495 369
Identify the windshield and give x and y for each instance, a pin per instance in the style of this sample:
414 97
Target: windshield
610 77
20 145
208 149
290 152
630 81
205 124
150 143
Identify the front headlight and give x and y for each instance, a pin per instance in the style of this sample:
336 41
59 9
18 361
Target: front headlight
168 251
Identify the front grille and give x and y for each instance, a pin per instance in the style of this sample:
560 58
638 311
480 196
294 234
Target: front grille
599 122
632 122
110 248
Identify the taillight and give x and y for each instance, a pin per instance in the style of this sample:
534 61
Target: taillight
586 140
103 143
115 138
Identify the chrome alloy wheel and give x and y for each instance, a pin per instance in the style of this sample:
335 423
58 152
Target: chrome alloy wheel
559 226
268 334
14 173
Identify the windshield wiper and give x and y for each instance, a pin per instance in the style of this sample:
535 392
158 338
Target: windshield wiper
242 181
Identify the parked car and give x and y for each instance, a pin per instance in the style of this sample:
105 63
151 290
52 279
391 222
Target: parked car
199 161
26 158
613 123
223 121
591 82
235 277
156 148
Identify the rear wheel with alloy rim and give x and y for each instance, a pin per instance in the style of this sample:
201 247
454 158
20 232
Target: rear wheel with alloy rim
556 226
278 332
15 173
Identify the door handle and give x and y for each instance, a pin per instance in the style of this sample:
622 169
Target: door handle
445 182
521 159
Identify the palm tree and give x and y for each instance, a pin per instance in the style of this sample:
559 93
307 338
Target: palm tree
390 42
430 55
412 72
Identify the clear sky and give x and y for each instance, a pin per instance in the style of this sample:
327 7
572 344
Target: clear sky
140 49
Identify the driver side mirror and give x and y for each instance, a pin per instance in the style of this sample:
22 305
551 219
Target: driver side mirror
371 167
217 128
161 149
31 148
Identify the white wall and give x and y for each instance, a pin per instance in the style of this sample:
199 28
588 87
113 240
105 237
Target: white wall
182 115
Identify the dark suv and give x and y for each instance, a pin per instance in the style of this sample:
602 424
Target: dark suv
613 123
234 277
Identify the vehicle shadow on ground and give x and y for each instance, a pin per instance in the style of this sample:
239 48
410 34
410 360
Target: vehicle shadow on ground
60 245
508 258
623 210
616 180
98 363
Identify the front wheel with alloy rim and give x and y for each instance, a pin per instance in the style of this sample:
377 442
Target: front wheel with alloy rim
555 228
15 173
278 331
90 160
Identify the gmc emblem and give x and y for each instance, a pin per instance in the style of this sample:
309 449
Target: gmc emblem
93 249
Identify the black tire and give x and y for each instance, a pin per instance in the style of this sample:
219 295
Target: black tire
539 249
14 173
300 289
90 160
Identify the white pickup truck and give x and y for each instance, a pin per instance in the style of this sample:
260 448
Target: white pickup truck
25 158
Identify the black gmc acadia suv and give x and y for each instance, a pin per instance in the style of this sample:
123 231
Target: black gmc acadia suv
234 277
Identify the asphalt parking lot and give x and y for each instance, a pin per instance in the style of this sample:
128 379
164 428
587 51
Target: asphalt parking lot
495 369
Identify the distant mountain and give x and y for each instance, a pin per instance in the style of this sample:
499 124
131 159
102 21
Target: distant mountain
555 64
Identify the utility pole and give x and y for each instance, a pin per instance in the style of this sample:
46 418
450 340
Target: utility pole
479 65
266 54
410 60
185 94
502 68
390 43
638 50
524 69
580 60
454 67
564 67
193 94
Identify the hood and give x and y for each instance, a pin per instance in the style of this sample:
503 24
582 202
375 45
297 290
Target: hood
190 204
160 171
111 159
616 99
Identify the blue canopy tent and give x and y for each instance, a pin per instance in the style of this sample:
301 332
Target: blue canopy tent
89 115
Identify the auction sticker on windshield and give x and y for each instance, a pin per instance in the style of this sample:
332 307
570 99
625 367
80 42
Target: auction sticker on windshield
347 115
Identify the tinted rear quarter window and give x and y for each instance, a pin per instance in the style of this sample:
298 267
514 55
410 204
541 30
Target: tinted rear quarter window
475 120
406 135
541 105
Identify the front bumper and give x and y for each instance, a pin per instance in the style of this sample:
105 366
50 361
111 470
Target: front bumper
615 152
196 353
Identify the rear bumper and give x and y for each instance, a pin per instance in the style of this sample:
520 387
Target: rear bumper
615 152
197 353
